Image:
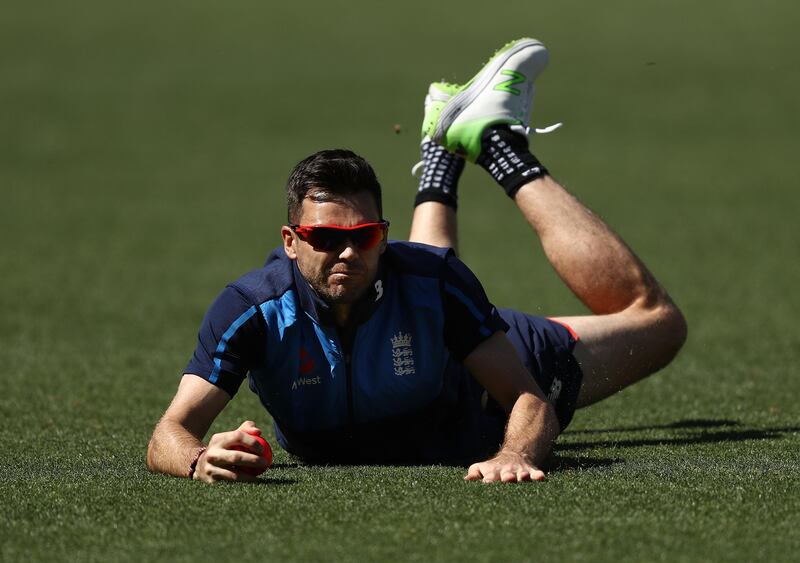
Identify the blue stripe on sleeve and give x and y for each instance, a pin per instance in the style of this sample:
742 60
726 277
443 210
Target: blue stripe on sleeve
223 343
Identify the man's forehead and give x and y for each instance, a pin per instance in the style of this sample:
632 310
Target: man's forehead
323 207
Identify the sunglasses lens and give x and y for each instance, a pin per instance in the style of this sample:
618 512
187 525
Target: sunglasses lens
327 239
367 237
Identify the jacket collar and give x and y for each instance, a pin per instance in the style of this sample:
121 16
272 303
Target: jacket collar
321 312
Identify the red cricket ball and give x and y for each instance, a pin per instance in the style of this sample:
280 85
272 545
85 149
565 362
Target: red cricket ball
266 454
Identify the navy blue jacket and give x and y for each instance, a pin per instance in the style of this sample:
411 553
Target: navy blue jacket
390 388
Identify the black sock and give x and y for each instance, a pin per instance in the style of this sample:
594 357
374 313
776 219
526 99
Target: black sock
439 180
505 155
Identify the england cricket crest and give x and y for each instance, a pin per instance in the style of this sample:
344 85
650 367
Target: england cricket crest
402 354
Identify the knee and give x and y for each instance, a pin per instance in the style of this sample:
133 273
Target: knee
672 330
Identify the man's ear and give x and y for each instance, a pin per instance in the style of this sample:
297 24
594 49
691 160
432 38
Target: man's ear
289 242
385 242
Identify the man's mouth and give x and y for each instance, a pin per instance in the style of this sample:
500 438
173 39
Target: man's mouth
344 272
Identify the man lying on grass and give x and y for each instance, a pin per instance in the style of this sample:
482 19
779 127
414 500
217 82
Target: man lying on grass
369 351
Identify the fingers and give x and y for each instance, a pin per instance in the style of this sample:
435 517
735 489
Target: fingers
217 464
491 473
230 455
501 469
250 427
243 436
214 474
249 443
474 472
237 458
508 475
486 472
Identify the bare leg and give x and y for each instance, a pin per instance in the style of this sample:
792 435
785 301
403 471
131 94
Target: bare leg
436 224
636 329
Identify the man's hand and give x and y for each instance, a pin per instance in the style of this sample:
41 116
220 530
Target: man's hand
506 466
220 462
532 422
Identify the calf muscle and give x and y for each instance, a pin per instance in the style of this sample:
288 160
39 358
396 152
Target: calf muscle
636 328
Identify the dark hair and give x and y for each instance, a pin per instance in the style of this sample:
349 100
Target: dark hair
327 176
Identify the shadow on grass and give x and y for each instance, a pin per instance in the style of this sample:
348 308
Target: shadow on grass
355 463
554 462
290 465
682 432
702 431
692 423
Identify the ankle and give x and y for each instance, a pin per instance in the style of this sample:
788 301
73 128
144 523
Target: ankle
506 157
439 180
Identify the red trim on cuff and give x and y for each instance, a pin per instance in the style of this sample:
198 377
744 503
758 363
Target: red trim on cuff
572 333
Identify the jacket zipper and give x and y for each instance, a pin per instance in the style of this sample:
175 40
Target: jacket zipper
346 343
350 408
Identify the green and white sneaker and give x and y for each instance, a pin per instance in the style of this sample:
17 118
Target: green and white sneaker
502 92
439 93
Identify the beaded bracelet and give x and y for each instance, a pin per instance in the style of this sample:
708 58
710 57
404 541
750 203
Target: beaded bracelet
195 459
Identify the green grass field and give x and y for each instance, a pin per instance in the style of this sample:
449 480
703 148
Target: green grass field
143 151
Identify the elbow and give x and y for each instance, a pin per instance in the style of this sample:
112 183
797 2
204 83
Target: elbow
150 458
154 456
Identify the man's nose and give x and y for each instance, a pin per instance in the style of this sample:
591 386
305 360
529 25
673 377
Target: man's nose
349 251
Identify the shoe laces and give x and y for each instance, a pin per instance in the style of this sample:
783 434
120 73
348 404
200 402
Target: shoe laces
417 168
536 130
527 131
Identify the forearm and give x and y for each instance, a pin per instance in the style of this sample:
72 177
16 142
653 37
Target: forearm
532 428
172 448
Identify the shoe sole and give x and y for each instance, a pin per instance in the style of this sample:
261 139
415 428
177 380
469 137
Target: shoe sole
463 99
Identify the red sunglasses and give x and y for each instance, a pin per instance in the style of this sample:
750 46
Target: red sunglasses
332 237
